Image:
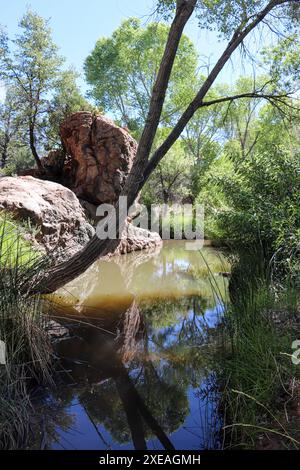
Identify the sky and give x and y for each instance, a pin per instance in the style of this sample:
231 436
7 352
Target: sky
77 25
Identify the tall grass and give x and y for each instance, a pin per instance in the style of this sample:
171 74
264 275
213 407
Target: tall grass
28 350
259 368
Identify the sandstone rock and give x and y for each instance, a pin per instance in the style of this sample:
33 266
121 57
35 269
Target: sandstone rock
136 238
96 160
52 208
99 157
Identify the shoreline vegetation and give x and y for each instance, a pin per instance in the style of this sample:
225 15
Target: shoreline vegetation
261 385
23 318
261 392
256 215
178 135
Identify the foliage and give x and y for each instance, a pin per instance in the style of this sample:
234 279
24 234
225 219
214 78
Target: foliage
32 67
19 160
259 371
38 93
15 246
283 62
121 70
67 99
22 330
10 125
253 192
170 182
226 16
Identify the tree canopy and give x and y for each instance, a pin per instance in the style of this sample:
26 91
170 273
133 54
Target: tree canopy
122 70
32 67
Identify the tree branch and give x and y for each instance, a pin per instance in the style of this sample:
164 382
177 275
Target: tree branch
184 10
254 94
64 272
236 40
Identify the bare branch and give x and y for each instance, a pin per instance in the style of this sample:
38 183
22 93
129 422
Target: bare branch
256 95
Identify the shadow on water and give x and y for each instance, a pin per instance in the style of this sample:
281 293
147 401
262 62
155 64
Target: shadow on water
136 368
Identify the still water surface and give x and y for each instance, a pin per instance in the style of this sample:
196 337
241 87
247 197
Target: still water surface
137 366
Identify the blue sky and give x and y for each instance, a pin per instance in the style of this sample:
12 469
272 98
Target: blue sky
77 24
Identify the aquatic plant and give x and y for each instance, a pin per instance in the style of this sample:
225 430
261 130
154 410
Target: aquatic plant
258 372
26 351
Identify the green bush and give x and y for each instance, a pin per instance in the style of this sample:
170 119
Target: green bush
259 205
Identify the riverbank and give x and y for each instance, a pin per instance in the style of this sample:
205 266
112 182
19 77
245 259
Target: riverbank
162 312
25 345
146 320
261 400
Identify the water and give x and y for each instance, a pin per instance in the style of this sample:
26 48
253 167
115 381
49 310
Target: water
137 367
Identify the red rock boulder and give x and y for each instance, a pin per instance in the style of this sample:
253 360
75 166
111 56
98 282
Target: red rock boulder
99 157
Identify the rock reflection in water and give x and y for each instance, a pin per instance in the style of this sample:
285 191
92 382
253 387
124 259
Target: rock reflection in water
138 362
168 272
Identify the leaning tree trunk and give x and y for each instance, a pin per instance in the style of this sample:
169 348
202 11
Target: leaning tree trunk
59 275
62 273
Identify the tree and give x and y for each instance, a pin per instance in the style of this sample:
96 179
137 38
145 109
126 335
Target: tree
283 61
9 124
240 116
170 182
260 192
238 27
201 137
32 67
122 70
67 99
15 154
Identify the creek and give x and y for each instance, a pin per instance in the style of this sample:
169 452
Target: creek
137 367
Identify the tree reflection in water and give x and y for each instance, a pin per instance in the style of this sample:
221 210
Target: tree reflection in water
137 374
